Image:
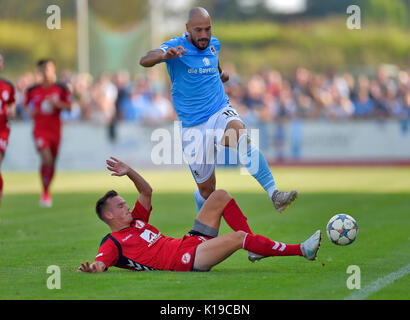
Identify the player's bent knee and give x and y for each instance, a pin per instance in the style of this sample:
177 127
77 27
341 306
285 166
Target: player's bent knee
222 196
240 234
237 238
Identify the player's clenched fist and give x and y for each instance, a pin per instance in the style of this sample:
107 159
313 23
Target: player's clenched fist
174 52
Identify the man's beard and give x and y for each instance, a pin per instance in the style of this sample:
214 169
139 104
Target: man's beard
196 43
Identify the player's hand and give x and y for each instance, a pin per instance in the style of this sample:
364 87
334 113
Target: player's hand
54 101
174 52
86 267
118 167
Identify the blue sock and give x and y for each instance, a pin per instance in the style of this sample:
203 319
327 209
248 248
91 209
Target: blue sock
199 200
255 162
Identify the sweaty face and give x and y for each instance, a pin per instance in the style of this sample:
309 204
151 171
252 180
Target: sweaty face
199 30
119 210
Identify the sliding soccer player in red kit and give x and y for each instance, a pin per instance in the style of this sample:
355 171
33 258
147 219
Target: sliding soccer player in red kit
7 110
44 102
137 245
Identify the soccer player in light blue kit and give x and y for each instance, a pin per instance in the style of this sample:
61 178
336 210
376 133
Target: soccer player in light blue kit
202 105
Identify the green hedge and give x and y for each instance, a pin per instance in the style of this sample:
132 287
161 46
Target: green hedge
23 43
320 45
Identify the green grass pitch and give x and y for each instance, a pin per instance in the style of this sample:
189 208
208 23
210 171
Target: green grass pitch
32 238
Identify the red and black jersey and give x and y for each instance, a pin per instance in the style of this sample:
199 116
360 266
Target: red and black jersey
7 97
46 117
139 247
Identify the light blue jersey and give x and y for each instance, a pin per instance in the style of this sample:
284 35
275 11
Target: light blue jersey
197 90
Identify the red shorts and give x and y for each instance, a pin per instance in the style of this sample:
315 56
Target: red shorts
4 139
184 258
48 141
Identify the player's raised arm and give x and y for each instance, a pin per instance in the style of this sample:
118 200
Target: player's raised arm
156 56
119 169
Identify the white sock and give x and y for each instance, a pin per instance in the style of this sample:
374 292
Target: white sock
199 200
271 190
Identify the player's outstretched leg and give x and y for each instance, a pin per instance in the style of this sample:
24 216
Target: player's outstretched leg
264 247
255 162
46 173
214 251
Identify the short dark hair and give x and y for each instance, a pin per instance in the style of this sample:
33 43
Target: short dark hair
42 62
100 206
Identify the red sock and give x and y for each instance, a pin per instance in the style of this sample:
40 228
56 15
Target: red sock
235 218
46 176
261 245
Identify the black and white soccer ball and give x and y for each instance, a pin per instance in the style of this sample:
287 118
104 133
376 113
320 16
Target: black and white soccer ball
342 229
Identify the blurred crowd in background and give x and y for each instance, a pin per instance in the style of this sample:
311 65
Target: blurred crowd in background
263 97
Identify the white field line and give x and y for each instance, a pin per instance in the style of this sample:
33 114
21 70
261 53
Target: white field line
379 284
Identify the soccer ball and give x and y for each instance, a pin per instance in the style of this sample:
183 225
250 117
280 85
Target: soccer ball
342 229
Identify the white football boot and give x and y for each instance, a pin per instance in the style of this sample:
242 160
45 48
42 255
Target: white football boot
311 246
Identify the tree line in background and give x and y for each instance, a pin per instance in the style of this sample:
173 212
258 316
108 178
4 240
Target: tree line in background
316 38
127 12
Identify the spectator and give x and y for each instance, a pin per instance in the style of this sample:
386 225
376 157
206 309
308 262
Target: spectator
138 101
82 87
265 97
363 103
392 102
104 95
159 111
22 84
